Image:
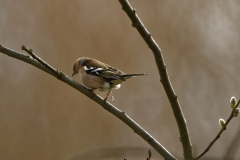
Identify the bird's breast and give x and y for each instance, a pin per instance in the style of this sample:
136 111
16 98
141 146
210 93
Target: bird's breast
93 82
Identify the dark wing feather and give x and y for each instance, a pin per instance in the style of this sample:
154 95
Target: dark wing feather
92 70
108 73
105 71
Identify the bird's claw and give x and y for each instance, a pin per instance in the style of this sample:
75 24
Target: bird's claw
112 98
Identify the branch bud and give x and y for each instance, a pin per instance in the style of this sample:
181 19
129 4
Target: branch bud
221 122
233 102
236 111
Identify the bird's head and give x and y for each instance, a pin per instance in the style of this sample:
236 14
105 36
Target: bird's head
77 64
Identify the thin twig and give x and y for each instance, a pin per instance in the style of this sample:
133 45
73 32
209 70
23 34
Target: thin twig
149 154
112 152
181 122
30 51
219 134
148 157
233 147
106 105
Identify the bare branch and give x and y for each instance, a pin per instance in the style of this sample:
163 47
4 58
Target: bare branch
106 105
220 132
30 51
233 147
149 154
182 126
148 157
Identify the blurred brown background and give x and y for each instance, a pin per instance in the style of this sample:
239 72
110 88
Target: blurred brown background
42 118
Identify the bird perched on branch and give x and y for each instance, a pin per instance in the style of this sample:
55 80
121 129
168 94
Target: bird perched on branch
98 75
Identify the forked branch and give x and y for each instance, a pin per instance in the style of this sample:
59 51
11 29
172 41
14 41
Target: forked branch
224 127
39 63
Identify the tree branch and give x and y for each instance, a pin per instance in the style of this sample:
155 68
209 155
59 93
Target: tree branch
233 148
182 126
220 132
30 51
106 105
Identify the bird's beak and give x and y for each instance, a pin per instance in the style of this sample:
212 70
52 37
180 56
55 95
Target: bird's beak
74 72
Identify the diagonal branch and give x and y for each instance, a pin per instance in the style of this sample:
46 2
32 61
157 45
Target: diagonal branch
107 106
30 51
220 132
182 126
233 147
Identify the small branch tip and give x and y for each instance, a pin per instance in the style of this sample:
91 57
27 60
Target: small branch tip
26 49
23 47
149 154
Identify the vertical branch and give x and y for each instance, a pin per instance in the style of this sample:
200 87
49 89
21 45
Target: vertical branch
182 126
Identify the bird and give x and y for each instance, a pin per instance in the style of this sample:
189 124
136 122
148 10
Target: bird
96 75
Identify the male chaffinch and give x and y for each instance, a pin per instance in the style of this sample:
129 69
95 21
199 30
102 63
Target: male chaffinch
98 75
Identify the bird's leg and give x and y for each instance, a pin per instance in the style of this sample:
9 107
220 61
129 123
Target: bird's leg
109 92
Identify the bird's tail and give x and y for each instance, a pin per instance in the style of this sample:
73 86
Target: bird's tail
126 76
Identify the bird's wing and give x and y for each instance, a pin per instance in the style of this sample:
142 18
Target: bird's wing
107 72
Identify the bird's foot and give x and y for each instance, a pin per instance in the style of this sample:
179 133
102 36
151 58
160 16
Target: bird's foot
112 98
108 94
